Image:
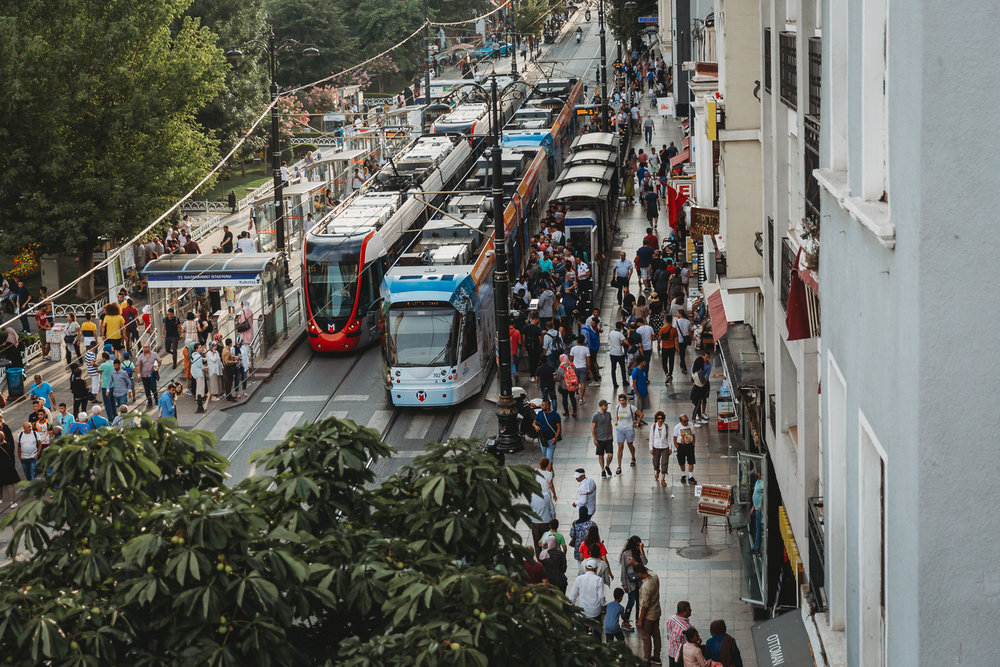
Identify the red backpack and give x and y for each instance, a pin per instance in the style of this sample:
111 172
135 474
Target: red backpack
570 380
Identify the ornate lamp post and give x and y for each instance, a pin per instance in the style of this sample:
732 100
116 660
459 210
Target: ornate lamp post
273 48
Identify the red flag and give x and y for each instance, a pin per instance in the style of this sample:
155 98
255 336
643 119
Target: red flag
674 203
797 316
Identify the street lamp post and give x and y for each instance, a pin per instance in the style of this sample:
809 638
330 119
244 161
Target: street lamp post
233 53
427 65
605 124
513 41
508 437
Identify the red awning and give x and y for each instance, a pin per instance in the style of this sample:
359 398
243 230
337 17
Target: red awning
686 142
683 156
718 314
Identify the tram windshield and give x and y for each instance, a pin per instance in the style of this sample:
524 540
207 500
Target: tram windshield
422 337
332 270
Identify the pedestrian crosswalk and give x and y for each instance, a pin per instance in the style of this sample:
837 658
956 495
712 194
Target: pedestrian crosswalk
465 423
285 423
243 424
417 430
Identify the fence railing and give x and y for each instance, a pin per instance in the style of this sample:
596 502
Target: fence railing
79 309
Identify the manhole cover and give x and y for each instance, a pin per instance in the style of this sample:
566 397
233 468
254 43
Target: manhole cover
680 396
696 552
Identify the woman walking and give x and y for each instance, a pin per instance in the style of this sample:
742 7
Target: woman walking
577 532
71 338
214 363
190 329
9 476
633 553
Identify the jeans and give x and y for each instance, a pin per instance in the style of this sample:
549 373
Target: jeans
648 356
568 397
24 324
119 401
633 601
548 447
618 362
109 403
650 633
682 356
622 282
170 344
30 467
758 530
241 378
667 359
149 386
649 135
550 394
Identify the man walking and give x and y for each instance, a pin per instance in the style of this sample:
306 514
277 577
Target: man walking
588 593
640 381
649 613
586 492
548 425
545 374
600 431
647 128
626 419
677 625
647 334
119 387
29 449
623 274
616 352
166 406
171 334
149 363
21 299
668 347
684 439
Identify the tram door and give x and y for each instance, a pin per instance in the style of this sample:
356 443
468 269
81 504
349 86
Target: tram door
370 303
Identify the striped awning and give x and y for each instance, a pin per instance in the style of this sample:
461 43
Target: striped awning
683 156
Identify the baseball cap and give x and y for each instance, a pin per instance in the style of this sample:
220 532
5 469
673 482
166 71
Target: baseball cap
602 403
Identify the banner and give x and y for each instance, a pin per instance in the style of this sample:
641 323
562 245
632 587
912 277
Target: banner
665 105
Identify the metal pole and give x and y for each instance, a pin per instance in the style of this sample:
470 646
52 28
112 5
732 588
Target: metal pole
605 123
513 42
508 437
279 212
427 60
619 59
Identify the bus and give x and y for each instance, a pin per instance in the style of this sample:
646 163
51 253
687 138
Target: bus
349 250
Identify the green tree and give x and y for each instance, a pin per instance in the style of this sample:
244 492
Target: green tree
140 555
319 23
530 15
381 24
630 32
98 118
245 94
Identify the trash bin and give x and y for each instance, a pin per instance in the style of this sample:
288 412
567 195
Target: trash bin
15 382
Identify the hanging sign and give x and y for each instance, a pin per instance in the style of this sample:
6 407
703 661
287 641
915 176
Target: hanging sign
665 105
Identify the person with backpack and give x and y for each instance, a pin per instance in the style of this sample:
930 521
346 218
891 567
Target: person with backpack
548 426
553 346
626 419
568 382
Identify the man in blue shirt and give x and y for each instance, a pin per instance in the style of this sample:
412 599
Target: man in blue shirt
640 381
96 420
167 407
623 273
548 425
757 512
63 418
43 391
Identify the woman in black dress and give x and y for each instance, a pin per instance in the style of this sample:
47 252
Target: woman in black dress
9 476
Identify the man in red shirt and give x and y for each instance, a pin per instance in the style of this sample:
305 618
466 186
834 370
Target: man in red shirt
515 346
650 238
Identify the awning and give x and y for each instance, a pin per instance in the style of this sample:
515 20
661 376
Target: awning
782 641
686 142
683 156
718 314
211 270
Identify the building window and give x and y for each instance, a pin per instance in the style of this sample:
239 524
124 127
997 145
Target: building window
787 262
787 69
871 545
770 248
767 60
815 75
817 555
811 128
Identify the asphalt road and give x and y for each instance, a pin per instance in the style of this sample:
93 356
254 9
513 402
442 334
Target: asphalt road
312 386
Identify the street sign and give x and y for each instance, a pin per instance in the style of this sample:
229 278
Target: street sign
683 186
649 19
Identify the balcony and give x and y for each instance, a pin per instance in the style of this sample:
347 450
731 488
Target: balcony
817 556
811 131
787 69
815 75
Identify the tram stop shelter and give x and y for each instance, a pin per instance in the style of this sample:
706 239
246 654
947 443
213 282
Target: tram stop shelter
182 281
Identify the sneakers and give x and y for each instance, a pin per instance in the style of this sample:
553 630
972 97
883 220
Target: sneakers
697 424
684 480
627 626
692 480
594 384
607 469
705 420
604 475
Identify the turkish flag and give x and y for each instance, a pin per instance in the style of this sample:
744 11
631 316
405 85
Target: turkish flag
797 313
674 203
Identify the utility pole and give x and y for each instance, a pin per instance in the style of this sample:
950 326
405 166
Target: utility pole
605 123
279 198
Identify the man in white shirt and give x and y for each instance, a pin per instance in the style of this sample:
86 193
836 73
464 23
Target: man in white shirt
616 351
580 355
589 594
646 332
684 439
586 492
245 243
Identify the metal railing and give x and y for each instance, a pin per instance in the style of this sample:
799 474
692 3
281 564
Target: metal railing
817 555
79 309
787 68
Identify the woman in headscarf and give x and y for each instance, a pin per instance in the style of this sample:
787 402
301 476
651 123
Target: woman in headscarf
11 348
9 476
214 362
554 562
633 553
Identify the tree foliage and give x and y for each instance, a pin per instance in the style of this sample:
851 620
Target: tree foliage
132 551
97 119
319 23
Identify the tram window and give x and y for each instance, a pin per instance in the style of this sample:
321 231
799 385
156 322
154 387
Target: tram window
470 342
371 278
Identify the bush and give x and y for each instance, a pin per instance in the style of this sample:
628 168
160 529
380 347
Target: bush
299 150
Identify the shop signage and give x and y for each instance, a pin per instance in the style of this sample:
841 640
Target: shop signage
704 220
684 186
665 105
791 548
55 334
649 19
